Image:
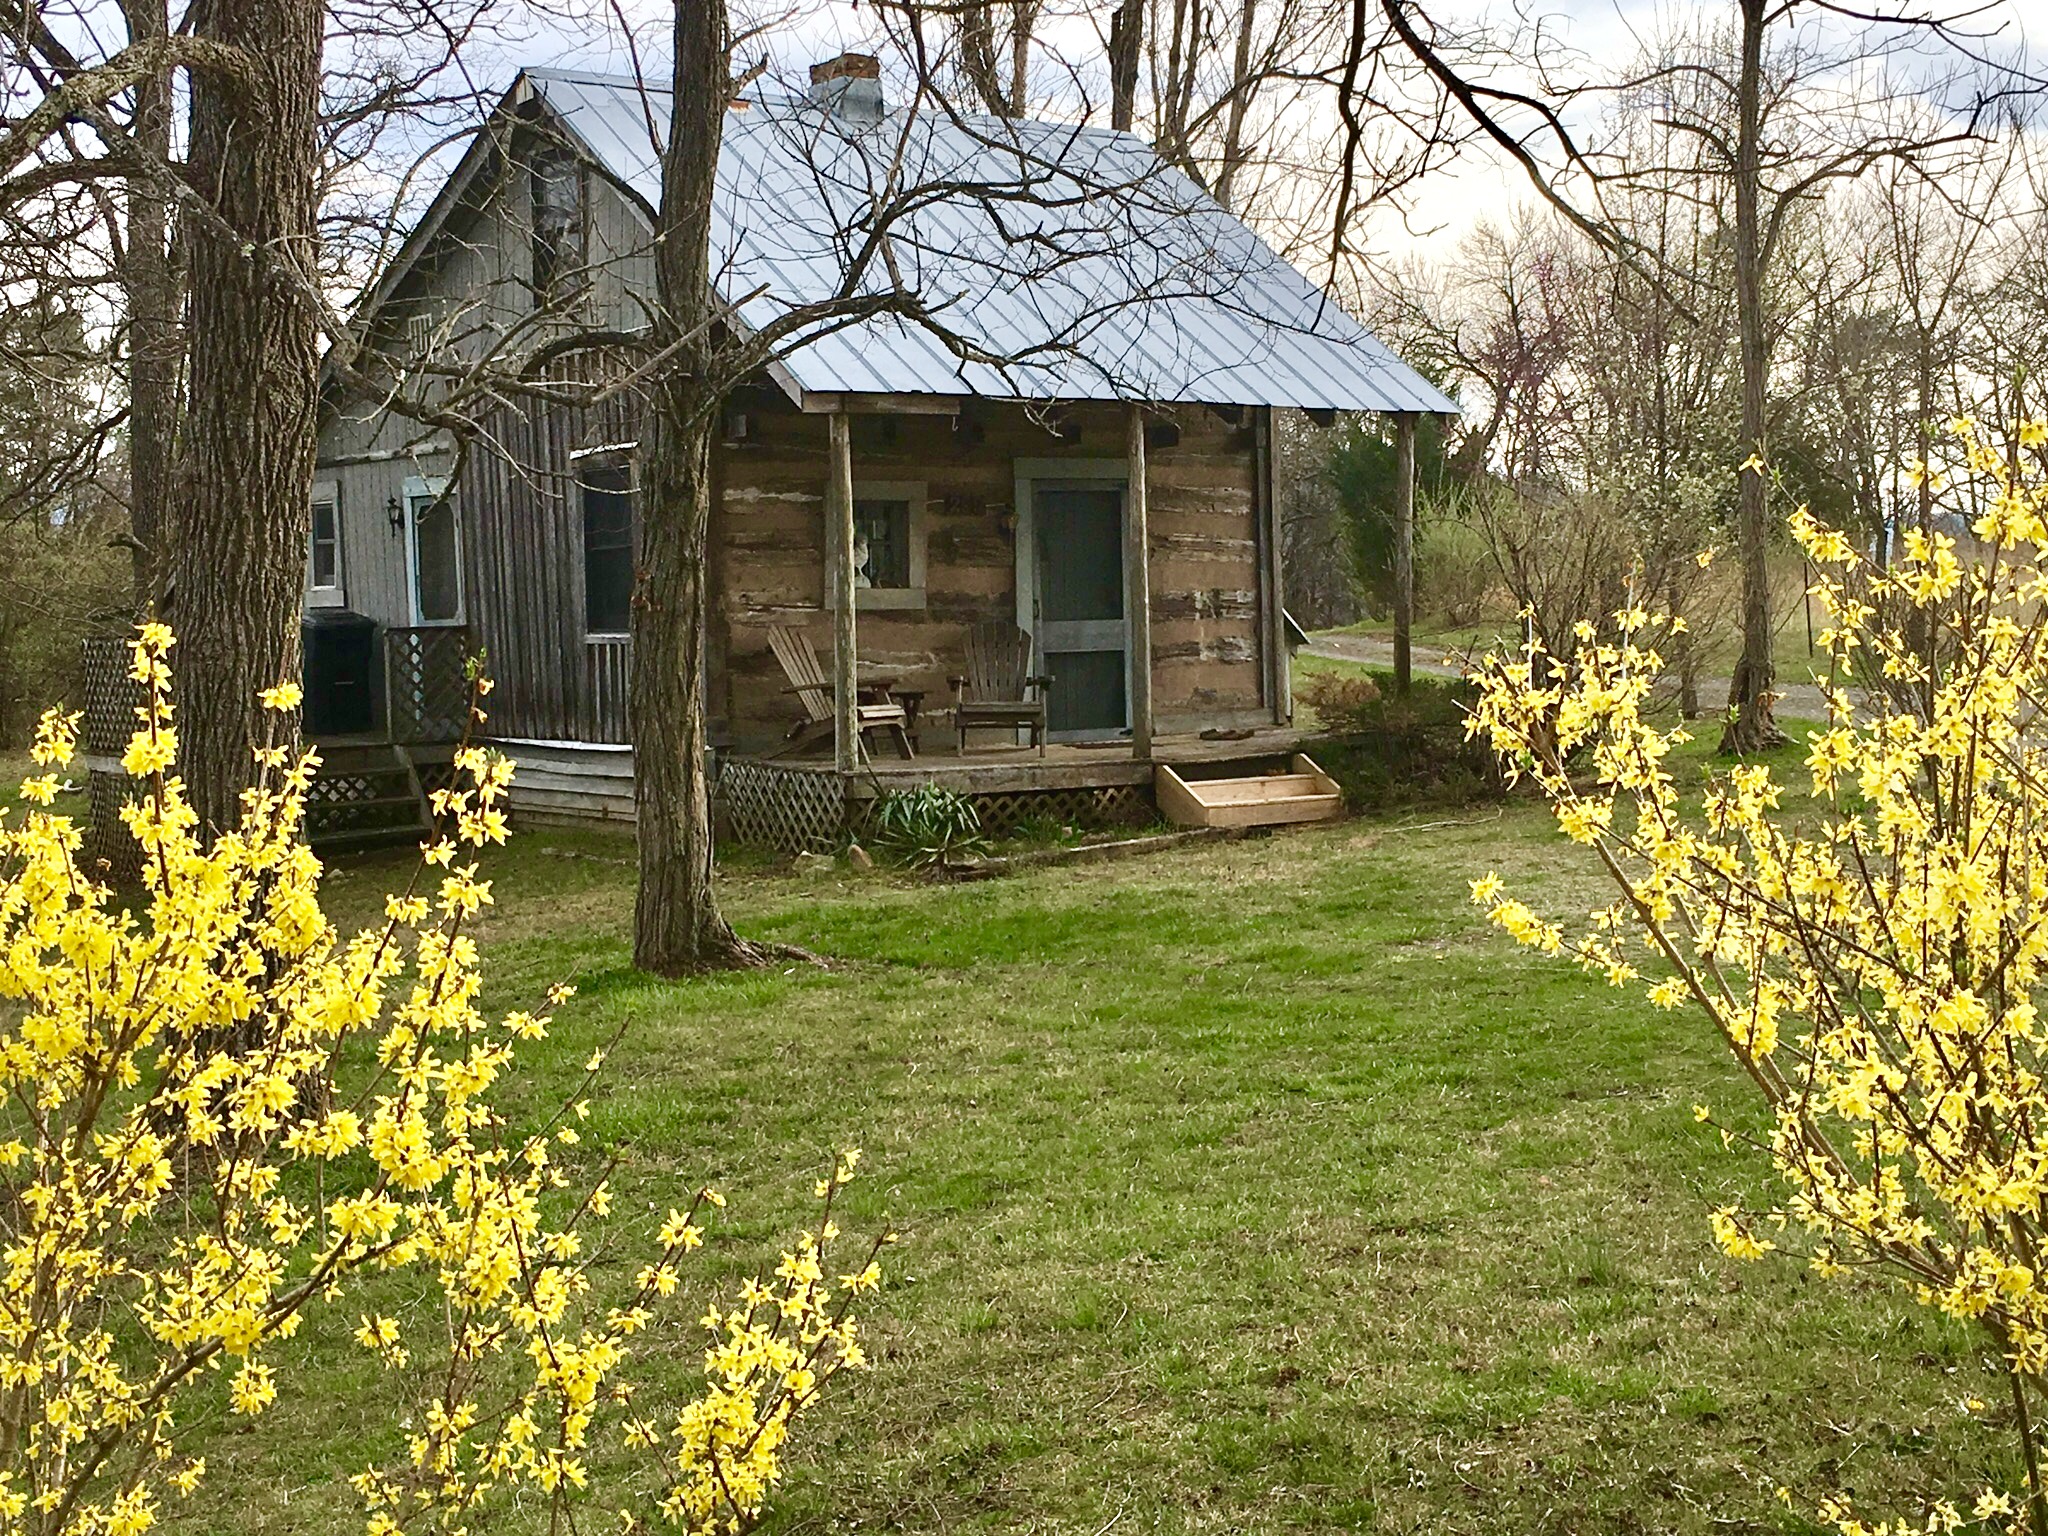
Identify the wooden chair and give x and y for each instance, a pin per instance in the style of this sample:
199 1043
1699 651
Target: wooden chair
999 688
875 710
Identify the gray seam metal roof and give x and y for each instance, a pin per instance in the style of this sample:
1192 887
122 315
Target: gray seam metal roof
1053 261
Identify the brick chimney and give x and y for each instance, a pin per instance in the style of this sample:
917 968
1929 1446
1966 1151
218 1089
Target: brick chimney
849 87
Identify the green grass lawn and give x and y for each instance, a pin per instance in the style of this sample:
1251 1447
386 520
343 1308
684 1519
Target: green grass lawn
1248 1187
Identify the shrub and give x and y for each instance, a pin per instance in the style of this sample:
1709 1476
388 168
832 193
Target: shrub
190 1167
1454 571
55 582
1877 967
1390 751
929 827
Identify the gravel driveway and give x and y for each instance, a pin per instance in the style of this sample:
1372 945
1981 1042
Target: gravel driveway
1801 701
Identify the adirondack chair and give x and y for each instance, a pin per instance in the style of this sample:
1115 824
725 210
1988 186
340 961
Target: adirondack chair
999 688
875 710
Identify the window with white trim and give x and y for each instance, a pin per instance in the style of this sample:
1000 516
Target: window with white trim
323 547
607 495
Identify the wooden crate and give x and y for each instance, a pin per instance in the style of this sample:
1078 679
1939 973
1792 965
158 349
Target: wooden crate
1304 793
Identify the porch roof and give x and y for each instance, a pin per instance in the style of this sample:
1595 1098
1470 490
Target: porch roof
1053 261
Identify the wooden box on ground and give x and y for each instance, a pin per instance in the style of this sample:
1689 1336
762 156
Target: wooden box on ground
1305 793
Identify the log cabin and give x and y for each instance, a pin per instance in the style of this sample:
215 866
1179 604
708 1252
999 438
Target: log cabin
1071 434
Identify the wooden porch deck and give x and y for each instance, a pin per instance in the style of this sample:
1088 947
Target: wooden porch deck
794 803
1065 765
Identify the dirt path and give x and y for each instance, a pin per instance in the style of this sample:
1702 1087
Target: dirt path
1802 701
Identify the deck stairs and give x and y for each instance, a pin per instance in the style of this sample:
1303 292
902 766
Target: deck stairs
366 794
1298 792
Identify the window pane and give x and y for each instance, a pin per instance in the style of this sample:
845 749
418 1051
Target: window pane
326 551
607 552
437 561
884 528
557 184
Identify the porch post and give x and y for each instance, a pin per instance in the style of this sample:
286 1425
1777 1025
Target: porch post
1279 691
1138 579
1404 546
839 572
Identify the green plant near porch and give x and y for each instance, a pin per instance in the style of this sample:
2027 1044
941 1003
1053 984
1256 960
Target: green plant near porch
929 827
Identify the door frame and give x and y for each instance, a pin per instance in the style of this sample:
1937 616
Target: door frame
1106 473
429 489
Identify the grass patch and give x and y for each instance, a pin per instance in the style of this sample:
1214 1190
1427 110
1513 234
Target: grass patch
1252 1187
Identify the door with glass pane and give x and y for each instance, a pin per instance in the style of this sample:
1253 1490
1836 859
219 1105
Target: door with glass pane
433 547
1078 533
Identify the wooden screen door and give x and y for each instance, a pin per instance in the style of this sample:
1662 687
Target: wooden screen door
1082 636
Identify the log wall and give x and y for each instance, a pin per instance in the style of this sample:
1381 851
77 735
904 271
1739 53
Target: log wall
770 553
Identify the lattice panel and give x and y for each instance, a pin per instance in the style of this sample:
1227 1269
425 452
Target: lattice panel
110 698
360 802
1094 809
786 808
427 693
107 838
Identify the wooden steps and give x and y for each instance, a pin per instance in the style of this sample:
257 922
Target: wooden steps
1303 793
366 793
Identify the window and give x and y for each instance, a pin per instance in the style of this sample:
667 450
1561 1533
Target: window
881 543
557 187
433 539
888 544
323 548
607 550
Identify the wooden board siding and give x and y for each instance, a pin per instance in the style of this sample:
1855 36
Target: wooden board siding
521 523
369 457
524 558
563 781
1207 657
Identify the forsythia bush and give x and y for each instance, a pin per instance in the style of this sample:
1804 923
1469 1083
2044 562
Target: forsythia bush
221 1113
1875 958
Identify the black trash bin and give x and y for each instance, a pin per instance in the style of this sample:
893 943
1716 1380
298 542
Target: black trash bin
341 656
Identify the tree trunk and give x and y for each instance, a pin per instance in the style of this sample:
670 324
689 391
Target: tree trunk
1126 45
1404 551
1920 627
1235 150
1023 22
1750 726
238 548
154 345
677 927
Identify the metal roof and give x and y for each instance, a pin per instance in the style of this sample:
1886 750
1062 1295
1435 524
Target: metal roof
1054 261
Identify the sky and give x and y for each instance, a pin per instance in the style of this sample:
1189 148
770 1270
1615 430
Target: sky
1601 35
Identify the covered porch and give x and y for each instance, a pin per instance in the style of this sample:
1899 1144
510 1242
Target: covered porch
792 805
1141 626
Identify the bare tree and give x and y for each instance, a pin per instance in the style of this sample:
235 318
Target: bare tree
1781 100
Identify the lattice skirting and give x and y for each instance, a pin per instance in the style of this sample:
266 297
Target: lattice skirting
782 806
107 838
111 696
371 801
1097 808
793 809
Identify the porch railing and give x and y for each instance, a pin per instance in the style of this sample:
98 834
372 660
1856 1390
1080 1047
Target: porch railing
608 682
426 695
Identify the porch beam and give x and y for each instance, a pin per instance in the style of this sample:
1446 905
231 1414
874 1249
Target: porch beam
839 544
1404 547
1138 579
817 402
